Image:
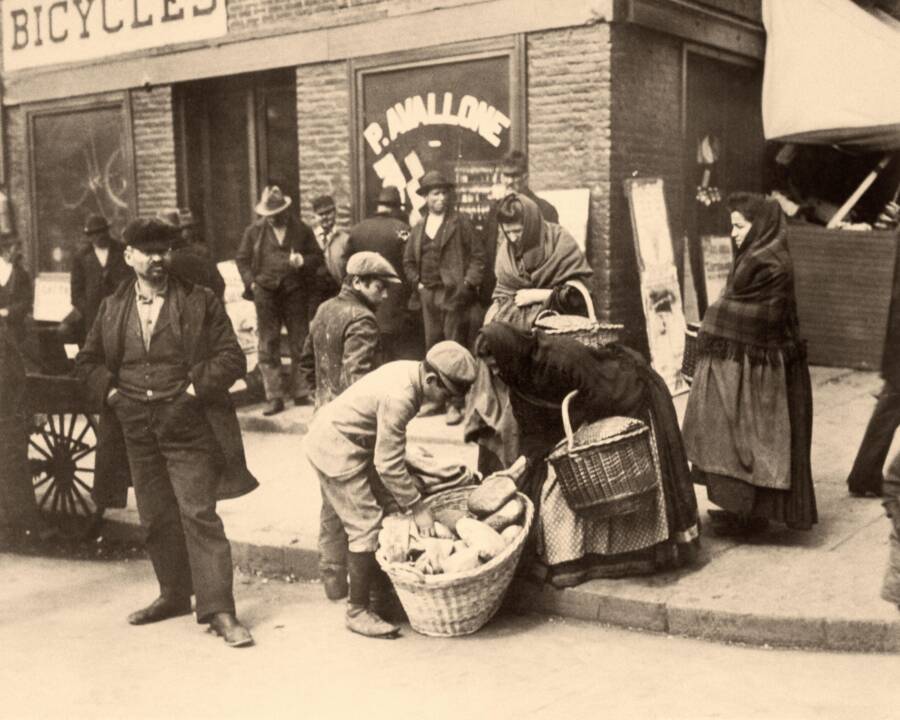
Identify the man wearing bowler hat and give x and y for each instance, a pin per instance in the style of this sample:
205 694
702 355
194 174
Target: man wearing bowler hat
387 235
160 360
278 259
444 262
98 268
332 242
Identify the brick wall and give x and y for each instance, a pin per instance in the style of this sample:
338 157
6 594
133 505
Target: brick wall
569 130
245 15
154 149
646 141
323 133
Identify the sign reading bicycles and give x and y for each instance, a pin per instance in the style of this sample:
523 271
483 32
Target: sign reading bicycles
47 32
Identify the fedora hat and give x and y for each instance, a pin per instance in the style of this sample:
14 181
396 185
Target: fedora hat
431 180
390 197
272 201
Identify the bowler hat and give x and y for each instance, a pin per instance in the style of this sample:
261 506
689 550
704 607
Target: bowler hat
272 201
323 203
95 224
371 264
454 365
150 235
171 216
390 197
514 162
431 180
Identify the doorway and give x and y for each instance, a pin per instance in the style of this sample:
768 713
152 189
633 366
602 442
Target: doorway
235 135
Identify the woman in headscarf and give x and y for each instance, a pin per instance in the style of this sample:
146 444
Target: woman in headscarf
534 262
748 424
539 371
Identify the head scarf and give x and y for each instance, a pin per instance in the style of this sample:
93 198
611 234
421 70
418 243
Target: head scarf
530 245
756 315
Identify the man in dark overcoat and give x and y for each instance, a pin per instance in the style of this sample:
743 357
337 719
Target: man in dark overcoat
98 268
342 347
159 360
386 235
278 259
444 262
16 290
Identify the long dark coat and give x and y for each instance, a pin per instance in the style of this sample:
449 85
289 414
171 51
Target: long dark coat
461 264
91 281
215 360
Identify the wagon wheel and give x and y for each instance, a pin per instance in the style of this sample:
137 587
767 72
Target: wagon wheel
61 451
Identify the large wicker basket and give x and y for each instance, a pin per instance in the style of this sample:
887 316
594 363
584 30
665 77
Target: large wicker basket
585 330
458 603
606 468
689 359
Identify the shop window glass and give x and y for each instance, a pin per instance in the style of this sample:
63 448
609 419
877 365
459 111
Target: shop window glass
81 166
454 117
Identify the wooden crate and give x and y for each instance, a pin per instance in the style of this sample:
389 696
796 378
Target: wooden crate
843 283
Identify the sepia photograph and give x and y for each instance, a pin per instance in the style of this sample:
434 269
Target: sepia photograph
449 359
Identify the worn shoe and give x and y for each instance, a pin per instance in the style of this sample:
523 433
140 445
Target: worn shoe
454 415
162 608
274 407
335 584
226 626
385 604
363 621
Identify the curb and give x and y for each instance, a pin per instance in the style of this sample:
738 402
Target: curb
813 633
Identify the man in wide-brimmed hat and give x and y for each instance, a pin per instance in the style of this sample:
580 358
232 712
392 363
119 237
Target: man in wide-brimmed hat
387 235
444 262
278 258
159 361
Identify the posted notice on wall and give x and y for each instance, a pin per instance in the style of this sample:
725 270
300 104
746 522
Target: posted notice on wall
42 32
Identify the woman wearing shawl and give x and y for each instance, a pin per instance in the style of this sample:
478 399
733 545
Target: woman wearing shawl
748 424
534 261
539 371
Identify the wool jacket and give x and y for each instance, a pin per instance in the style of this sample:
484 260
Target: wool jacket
299 238
462 260
215 361
366 425
341 347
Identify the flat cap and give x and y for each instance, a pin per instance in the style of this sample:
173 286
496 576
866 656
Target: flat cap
150 234
454 364
371 264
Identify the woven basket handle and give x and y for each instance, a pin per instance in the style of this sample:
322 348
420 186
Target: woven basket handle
588 301
567 421
546 312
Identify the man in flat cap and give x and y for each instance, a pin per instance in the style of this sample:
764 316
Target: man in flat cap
342 347
332 242
387 235
98 268
278 259
444 261
160 359
357 446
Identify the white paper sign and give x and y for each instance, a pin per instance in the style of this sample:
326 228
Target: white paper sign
52 297
47 32
572 206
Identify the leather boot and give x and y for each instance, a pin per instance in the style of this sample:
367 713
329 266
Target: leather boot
163 608
383 600
360 619
334 582
227 626
274 407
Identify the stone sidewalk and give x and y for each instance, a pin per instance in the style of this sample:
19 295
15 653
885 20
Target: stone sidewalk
814 590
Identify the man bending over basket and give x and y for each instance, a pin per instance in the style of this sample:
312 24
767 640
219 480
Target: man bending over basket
357 446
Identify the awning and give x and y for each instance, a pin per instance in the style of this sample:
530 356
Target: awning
831 75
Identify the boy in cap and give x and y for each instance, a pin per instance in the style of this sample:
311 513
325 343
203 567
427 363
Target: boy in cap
359 440
342 347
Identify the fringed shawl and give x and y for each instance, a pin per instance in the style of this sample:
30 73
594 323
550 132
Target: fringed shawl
756 316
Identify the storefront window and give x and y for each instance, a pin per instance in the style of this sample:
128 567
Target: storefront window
81 166
457 116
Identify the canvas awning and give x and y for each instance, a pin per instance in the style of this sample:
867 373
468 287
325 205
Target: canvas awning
831 75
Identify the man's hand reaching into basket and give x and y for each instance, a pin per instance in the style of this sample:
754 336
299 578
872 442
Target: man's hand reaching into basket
423 519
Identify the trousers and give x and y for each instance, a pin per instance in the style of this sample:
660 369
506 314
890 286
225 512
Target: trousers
171 453
276 309
866 473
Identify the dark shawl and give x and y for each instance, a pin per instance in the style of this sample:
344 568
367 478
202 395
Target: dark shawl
541 370
756 316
